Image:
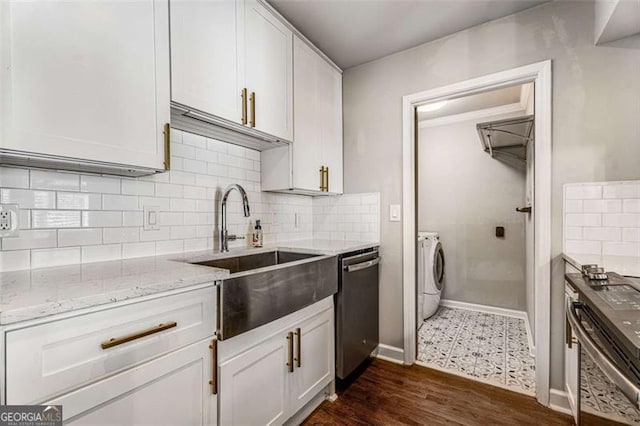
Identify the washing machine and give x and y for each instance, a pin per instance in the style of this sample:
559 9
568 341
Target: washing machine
430 273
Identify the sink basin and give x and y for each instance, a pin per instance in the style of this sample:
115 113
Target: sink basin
266 286
255 261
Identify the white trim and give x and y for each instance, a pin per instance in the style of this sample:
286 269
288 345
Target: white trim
472 115
475 379
532 345
484 308
390 353
559 401
540 74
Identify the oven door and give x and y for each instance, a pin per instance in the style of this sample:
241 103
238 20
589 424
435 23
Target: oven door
609 388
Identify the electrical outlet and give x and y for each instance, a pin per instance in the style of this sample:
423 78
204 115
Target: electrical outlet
9 220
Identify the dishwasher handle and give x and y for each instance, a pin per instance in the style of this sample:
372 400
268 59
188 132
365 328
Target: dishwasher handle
363 265
602 360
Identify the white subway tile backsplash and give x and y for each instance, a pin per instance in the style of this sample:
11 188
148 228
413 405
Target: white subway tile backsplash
194 140
31 239
131 250
97 219
622 190
121 235
602 206
138 187
156 235
631 249
11 177
79 237
29 199
15 260
132 218
183 151
630 234
622 220
119 202
168 190
602 234
583 247
79 201
573 233
99 184
592 219
631 206
573 206
101 253
55 219
54 181
583 192
169 247
55 257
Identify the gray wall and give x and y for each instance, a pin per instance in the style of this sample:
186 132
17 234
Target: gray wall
596 125
464 194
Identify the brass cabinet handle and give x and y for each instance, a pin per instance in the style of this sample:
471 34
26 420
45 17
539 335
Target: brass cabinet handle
214 364
115 341
326 179
167 146
252 99
244 106
321 178
299 348
290 341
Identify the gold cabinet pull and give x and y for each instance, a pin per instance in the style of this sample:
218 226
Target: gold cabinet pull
244 106
252 99
115 341
290 342
321 178
299 348
167 146
326 179
214 365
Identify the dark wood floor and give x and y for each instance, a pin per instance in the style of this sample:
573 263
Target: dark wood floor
387 393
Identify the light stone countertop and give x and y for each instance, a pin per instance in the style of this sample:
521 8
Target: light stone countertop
38 293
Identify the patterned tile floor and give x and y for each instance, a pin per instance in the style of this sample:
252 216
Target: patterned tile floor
492 348
601 397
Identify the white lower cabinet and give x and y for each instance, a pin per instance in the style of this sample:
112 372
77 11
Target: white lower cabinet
269 375
170 390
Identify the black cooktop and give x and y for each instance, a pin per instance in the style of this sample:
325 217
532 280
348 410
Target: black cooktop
616 303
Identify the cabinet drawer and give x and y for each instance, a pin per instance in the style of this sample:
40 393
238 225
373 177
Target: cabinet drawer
48 359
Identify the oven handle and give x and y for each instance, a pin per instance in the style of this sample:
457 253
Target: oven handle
363 265
602 360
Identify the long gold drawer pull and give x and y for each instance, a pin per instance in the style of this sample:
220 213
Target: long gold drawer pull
290 342
167 146
115 341
244 106
322 178
326 179
252 99
214 361
299 348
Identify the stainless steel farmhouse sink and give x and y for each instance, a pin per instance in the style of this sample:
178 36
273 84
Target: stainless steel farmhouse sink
266 286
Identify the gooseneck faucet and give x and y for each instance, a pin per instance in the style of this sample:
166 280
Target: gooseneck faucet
224 236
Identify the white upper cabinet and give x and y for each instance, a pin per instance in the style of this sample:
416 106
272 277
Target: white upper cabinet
313 162
231 59
86 81
205 56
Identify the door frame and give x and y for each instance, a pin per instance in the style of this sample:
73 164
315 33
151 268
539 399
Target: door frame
540 74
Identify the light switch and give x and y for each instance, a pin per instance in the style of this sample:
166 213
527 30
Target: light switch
151 219
394 212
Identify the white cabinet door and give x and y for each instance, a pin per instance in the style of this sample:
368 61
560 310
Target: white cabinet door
268 47
254 386
205 56
316 351
307 147
87 80
171 390
330 102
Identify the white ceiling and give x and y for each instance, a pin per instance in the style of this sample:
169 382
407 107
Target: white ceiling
484 100
352 32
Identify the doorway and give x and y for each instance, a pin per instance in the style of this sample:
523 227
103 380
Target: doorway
539 75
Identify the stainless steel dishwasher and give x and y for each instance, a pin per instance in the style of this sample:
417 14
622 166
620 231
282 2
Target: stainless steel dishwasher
356 309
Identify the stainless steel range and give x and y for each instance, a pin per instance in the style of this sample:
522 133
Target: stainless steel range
603 336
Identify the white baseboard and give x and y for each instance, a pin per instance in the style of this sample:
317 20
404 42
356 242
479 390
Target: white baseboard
558 401
390 353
